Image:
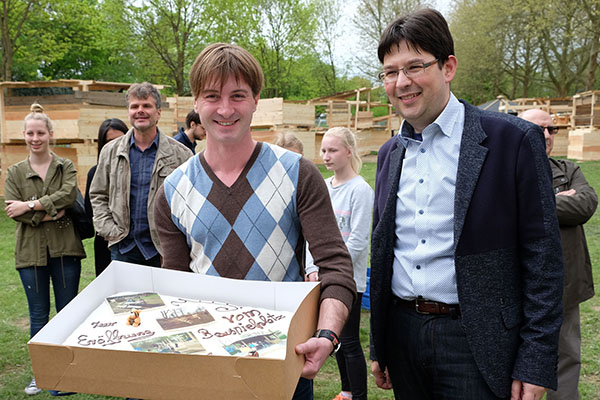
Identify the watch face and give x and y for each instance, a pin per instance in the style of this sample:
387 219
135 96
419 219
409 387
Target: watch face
31 204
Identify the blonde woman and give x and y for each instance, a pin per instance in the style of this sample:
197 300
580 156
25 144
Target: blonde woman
352 201
37 192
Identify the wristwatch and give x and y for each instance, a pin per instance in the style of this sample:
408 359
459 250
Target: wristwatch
31 204
327 334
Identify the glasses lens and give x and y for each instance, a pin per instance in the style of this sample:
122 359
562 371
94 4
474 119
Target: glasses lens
553 130
414 70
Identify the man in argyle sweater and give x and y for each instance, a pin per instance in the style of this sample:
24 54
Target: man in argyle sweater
243 209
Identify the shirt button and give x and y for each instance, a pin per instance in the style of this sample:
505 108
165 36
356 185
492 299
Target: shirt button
422 150
421 212
423 241
418 267
421 180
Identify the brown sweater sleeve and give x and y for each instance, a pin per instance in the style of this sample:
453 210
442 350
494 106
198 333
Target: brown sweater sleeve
325 242
175 250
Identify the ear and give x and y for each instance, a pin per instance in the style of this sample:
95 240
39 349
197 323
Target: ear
449 68
196 105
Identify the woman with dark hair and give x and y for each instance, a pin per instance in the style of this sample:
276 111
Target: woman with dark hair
110 129
48 248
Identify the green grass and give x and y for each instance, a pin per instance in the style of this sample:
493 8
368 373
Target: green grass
15 370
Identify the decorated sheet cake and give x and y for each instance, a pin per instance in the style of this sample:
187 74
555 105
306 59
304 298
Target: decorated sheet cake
151 322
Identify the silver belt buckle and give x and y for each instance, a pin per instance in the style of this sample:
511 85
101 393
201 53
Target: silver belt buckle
417 307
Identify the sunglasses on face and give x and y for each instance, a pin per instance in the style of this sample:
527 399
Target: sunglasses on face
553 130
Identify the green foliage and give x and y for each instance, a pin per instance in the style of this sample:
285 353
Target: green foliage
525 48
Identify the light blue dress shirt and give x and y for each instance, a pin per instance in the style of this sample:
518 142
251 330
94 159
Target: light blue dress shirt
423 252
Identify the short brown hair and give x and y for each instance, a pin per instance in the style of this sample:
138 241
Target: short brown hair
143 91
425 29
220 60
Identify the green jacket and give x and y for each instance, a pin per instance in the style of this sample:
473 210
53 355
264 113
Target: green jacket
57 192
110 188
573 212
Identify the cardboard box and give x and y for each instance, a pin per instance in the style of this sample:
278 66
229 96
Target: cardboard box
174 376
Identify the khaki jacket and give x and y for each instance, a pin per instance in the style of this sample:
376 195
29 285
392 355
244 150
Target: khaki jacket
57 192
110 188
573 212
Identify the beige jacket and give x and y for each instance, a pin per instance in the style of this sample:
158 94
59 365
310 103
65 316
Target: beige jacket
109 191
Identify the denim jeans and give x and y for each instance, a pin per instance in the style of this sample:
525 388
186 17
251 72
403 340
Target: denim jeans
350 358
64 272
429 358
134 256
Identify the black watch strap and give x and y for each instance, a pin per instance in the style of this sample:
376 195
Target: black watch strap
327 334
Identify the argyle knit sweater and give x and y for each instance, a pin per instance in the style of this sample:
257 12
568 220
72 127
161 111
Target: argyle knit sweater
256 228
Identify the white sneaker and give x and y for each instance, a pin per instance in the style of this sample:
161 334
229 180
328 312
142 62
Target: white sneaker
32 388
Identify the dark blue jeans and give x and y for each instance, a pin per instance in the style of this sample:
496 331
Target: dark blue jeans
65 273
134 256
429 358
350 358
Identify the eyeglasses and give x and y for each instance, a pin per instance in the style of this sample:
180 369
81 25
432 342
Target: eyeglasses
552 130
411 71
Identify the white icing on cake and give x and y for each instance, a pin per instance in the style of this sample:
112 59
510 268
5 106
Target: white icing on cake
175 325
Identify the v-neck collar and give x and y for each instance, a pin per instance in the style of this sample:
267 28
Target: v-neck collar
213 177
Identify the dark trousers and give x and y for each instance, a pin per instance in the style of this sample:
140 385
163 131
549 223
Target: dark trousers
429 358
304 390
350 358
101 254
65 275
134 256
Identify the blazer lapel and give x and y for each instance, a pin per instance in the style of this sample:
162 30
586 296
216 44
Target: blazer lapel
470 161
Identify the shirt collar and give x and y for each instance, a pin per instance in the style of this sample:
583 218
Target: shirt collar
445 122
154 142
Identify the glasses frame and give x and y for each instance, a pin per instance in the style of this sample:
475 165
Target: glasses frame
383 74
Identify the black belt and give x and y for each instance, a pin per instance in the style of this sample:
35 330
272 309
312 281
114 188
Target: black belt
423 306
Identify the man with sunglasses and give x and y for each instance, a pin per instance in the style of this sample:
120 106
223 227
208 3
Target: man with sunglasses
576 202
466 265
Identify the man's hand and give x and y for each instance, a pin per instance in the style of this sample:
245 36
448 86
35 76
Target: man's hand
315 351
382 378
15 208
312 277
569 192
526 391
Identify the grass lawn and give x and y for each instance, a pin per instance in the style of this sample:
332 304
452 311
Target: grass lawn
15 370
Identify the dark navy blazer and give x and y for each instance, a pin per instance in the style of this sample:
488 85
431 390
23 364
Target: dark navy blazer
507 249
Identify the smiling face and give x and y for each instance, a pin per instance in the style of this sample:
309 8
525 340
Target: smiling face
37 136
335 155
226 110
422 99
143 114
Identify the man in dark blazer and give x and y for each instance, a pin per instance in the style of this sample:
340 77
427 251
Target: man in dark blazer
466 279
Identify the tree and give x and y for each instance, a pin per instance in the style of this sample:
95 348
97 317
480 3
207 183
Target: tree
371 19
565 45
13 16
328 16
288 30
172 31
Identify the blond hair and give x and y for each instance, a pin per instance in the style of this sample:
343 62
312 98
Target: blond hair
37 113
288 140
349 141
219 61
